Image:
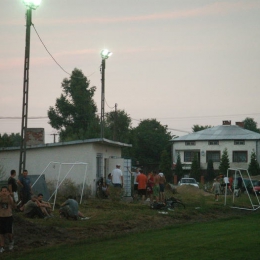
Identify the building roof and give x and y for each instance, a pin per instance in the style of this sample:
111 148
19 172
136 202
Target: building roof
221 132
87 141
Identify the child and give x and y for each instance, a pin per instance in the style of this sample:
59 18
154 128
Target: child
6 218
216 188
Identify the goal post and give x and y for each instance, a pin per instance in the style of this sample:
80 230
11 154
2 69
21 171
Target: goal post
239 174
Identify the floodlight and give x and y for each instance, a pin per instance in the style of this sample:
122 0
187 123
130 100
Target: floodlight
105 54
32 4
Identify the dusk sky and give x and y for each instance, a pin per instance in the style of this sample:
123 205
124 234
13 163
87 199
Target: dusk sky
183 62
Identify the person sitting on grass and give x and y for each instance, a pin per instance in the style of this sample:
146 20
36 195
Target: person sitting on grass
44 206
70 210
105 190
31 209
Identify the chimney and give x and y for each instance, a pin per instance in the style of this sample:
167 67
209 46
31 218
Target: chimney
240 124
226 122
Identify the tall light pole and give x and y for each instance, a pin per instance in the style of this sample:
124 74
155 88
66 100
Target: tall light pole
105 54
30 5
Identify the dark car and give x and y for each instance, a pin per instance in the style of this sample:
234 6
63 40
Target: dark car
252 186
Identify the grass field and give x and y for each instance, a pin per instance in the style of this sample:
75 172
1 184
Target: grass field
225 239
204 230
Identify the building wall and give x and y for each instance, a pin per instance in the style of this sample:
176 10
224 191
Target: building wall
202 147
48 160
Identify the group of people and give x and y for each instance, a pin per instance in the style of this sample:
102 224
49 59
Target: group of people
31 205
150 186
220 184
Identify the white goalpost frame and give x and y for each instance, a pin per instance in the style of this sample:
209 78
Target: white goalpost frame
254 207
44 171
59 184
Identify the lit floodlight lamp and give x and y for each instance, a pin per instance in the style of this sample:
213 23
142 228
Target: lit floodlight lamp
32 4
105 54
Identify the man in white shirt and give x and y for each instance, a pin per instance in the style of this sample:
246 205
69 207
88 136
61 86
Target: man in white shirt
117 177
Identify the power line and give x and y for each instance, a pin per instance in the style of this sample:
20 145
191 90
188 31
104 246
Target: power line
54 58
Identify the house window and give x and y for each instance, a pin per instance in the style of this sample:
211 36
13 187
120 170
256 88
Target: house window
190 143
239 142
239 156
213 143
189 155
213 155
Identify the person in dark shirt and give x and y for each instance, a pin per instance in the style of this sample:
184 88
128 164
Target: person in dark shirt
26 189
12 186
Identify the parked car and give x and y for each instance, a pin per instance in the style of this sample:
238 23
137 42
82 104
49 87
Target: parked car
188 181
255 188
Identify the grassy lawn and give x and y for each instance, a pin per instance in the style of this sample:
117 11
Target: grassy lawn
204 230
220 239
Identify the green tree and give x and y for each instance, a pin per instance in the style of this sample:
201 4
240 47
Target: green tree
210 170
74 114
166 166
195 168
224 162
197 128
149 139
253 167
117 126
251 125
12 140
178 168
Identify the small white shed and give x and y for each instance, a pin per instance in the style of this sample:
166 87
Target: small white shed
98 157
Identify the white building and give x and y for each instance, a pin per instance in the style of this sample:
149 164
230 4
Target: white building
210 143
95 157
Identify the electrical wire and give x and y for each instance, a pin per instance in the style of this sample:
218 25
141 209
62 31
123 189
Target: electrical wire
54 58
108 105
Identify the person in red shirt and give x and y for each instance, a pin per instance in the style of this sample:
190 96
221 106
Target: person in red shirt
142 182
150 184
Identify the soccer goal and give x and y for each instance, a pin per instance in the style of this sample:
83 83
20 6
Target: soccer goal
241 176
60 180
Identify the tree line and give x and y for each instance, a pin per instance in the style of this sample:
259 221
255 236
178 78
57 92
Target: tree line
74 116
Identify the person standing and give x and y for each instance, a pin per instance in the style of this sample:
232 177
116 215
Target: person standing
216 188
135 189
117 177
12 186
7 205
150 184
156 187
162 182
227 184
142 181
26 189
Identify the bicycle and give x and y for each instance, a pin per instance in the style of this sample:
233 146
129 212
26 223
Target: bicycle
172 203
168 204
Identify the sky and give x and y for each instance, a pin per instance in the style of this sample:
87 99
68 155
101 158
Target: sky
182 62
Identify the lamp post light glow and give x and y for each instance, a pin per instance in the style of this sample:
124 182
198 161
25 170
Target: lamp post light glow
105 54
30 5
